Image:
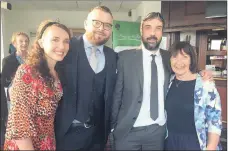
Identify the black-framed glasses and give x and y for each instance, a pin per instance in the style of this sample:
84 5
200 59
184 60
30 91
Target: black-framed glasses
97 24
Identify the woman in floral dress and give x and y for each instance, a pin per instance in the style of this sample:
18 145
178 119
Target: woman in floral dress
36 90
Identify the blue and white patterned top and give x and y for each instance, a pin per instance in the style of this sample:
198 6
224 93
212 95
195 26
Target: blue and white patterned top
207 110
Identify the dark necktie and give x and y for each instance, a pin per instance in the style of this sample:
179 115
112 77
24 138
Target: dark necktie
154 90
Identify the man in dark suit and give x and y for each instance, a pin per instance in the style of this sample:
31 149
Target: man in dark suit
138 116
88 78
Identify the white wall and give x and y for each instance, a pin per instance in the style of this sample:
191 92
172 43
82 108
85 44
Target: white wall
145 8
28 20
151 6
2 26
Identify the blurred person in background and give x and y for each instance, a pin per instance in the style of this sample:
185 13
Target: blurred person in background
12 49
20 41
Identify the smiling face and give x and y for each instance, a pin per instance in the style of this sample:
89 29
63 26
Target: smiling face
21 44
151 31
55 42
180 63
98 27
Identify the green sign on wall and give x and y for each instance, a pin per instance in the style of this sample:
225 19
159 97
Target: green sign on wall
126 34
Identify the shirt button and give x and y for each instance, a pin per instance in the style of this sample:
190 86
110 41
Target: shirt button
134 118
139 101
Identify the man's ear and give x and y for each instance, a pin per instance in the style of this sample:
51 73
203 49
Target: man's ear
40 41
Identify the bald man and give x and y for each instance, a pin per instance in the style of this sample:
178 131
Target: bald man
88 75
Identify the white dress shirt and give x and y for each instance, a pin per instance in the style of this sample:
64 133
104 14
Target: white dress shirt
144 118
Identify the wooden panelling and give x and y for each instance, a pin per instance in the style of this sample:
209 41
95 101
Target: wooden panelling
217 53
198 8
177 11
165 13
174 37
201 47
187 14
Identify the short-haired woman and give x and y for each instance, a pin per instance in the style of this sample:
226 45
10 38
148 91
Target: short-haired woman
193 105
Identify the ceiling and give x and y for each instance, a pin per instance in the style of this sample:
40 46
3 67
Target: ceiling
73 5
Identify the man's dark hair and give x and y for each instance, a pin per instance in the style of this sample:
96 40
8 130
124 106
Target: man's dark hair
183 46
155 15
102 8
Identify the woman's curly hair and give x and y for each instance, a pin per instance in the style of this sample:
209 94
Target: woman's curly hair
36 57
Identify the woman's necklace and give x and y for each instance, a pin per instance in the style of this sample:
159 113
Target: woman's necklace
187 78
177 82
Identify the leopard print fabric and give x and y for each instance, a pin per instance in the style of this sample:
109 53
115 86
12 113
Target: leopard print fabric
32 112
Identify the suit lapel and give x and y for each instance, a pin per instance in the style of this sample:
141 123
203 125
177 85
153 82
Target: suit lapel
165 61
138 62
78 46
14 58
107 63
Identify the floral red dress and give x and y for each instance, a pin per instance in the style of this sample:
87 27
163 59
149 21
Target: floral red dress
32 111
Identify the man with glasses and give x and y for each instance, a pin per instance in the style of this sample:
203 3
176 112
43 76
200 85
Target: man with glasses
88 75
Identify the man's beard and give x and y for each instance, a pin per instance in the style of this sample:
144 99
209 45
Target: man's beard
151 46
96 41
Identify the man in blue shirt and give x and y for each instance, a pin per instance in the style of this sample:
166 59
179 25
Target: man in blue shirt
88 79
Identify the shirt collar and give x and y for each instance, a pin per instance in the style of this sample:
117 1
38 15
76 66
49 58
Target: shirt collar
19 59
87 44
148 52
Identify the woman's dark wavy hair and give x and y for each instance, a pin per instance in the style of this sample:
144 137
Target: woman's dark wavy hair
36 57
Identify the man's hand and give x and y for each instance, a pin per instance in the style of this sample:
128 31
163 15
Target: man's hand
206 75
211 147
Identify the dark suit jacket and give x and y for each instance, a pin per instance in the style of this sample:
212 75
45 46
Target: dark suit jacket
9 68
128 92
68 75
4 114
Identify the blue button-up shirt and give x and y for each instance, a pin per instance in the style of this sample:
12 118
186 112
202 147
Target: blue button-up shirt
19 59
99 54
100 58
